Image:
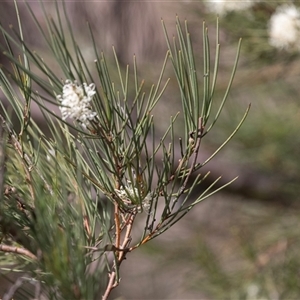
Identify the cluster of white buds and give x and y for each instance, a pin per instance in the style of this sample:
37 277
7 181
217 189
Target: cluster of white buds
128 193
76 102
131 195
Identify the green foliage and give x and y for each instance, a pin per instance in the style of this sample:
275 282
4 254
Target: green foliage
72 191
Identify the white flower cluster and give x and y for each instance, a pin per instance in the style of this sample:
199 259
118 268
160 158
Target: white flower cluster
131 192
223 7
284 28
76 102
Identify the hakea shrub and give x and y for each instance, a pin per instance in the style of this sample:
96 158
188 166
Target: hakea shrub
72 188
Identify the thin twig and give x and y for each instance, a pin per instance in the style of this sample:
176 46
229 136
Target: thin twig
18 250
127 238
110 285
121 252
195 153
199 133
12 290
117 225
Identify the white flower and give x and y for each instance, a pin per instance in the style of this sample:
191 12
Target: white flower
75 102
222 7
129 192
284 28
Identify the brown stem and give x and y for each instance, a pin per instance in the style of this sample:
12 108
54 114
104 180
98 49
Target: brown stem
117 225
120 254
111 284
21 251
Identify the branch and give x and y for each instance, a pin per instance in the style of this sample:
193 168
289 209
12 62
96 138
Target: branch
198 138
21 251
120 256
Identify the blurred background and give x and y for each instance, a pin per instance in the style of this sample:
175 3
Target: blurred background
243 242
